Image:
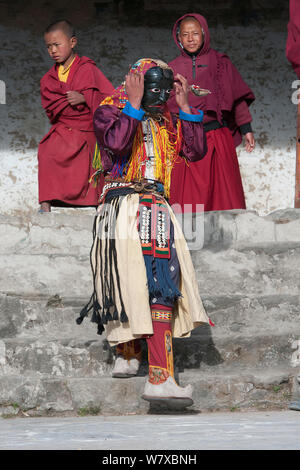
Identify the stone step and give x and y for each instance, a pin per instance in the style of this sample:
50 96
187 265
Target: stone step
218 390
71 233
246 230
46 274
250 315
225 272
83 357
247 273
232 314
50 234
205 352
66 357
235 252
240 388
43 316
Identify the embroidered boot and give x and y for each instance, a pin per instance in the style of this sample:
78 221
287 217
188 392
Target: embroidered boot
168 391
161 386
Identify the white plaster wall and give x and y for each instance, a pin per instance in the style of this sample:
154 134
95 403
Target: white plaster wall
259 54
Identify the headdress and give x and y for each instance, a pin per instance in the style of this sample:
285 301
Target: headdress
119 97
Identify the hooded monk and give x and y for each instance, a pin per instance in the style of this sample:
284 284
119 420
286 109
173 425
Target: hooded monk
214 181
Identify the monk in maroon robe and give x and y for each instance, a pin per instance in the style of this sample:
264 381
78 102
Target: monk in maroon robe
214 181
70 92
293 55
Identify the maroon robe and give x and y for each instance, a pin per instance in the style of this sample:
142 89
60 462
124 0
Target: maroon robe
214 181
293 38
66 152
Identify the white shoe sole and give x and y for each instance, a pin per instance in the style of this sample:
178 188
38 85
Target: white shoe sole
120 375
172 402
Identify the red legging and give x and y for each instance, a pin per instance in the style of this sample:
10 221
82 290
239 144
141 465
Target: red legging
160 349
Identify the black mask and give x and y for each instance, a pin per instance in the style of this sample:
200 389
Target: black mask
158 84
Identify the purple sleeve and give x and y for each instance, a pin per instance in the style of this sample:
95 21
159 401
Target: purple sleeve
115 130
194 146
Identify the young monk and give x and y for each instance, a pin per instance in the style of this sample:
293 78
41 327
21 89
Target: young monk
70 92
145 284
214 181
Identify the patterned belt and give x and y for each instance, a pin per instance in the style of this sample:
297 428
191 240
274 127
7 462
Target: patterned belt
143 186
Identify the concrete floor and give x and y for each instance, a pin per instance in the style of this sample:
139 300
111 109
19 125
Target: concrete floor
270 430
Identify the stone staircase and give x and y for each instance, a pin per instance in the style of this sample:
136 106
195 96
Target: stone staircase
248 279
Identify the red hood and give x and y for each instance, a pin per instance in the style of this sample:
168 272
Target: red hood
206 45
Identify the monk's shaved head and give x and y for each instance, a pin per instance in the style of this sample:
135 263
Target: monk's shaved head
186 19
61 25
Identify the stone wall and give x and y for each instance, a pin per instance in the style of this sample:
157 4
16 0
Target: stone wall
258 51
